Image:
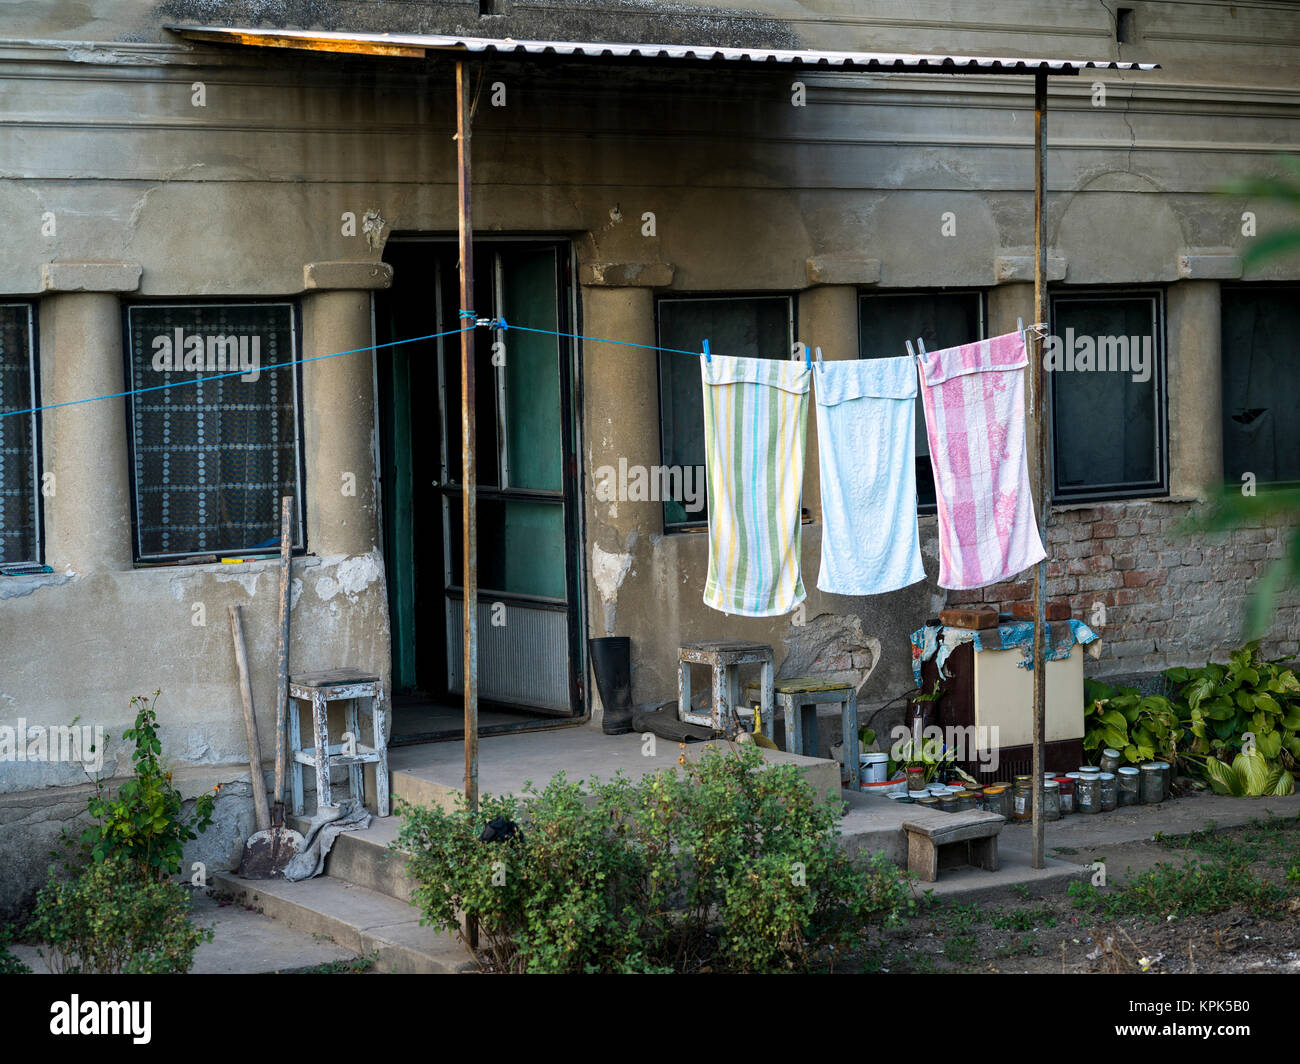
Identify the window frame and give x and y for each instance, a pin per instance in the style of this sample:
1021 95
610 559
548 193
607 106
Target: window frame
1098 294
792 331
982 296
34 402
299 547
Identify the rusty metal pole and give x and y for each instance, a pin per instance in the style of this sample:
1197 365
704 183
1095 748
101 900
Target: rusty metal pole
1040 404
468 433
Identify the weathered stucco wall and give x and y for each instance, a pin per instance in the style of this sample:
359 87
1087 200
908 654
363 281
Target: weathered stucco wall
240 196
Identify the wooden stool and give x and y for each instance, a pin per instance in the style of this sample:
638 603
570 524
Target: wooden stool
952 839
320 689
799 697
724 657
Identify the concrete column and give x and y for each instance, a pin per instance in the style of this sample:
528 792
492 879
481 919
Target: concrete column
88 512
620 386
339 410
828 318
1195 387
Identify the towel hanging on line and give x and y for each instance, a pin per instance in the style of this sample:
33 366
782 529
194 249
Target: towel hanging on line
755 410
866 448
974 398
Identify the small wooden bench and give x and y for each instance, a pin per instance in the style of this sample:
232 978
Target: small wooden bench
949 840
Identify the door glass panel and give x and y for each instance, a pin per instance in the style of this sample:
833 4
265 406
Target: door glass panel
532 372
520 547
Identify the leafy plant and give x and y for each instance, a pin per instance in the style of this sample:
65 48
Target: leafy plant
1182 890
732 864
143 822
1141 727
9 964
112 919
1247 710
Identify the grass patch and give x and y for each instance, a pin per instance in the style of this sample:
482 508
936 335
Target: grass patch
960 950
1174 890
1024 946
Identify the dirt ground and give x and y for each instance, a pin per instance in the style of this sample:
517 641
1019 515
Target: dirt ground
1219 900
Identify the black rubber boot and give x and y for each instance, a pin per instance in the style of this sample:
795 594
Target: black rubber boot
611 665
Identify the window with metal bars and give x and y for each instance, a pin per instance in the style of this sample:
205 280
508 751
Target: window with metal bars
20 498
216 434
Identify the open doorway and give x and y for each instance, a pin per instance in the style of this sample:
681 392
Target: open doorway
530 649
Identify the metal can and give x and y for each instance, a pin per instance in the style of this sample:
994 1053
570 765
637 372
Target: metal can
1087 792
1128 785
1051 800
1109 760
1153 783
1023 796
1067 794
1109 792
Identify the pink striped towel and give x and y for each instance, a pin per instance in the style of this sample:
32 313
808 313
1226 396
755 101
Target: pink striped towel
974 399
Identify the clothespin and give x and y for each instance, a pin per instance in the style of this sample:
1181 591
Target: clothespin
707 357
819 356
502 324
807 355
1020 324
910 349
921 344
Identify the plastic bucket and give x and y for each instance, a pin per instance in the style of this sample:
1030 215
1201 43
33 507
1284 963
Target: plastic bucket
875 767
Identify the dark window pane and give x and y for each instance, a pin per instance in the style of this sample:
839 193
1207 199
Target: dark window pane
940 319
1261 384
745 328
1106 413
18 478
520 547
212 459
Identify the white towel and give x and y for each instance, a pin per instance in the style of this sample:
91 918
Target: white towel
866 443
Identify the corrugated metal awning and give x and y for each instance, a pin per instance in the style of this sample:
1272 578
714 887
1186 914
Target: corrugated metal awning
419 46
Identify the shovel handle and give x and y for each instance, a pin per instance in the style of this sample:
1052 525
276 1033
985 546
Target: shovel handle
282 669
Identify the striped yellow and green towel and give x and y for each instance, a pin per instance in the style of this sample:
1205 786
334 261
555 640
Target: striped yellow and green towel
754 415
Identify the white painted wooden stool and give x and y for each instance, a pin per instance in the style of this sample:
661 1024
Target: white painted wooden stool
724 657
320 689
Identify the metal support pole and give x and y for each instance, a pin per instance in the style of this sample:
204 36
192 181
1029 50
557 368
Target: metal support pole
1039 450
468 433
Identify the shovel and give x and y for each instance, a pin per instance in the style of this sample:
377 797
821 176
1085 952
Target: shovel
267 852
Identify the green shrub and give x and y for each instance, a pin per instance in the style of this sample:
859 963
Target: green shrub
115 919
1223 704
142 822
729 865
1141 727
9 964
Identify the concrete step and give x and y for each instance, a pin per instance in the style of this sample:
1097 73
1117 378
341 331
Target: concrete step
364 858
360 920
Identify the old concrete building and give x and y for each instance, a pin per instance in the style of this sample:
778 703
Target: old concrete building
157 188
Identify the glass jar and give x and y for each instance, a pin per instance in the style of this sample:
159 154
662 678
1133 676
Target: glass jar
1051 800
1167 772
1066 786
1087 792
994 799
1153 784
977 797
1109 792
1023 797
949 803
1128 785
1089 768
965 801
1109 760
916 779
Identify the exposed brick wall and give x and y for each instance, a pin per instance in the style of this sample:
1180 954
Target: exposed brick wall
1170 598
